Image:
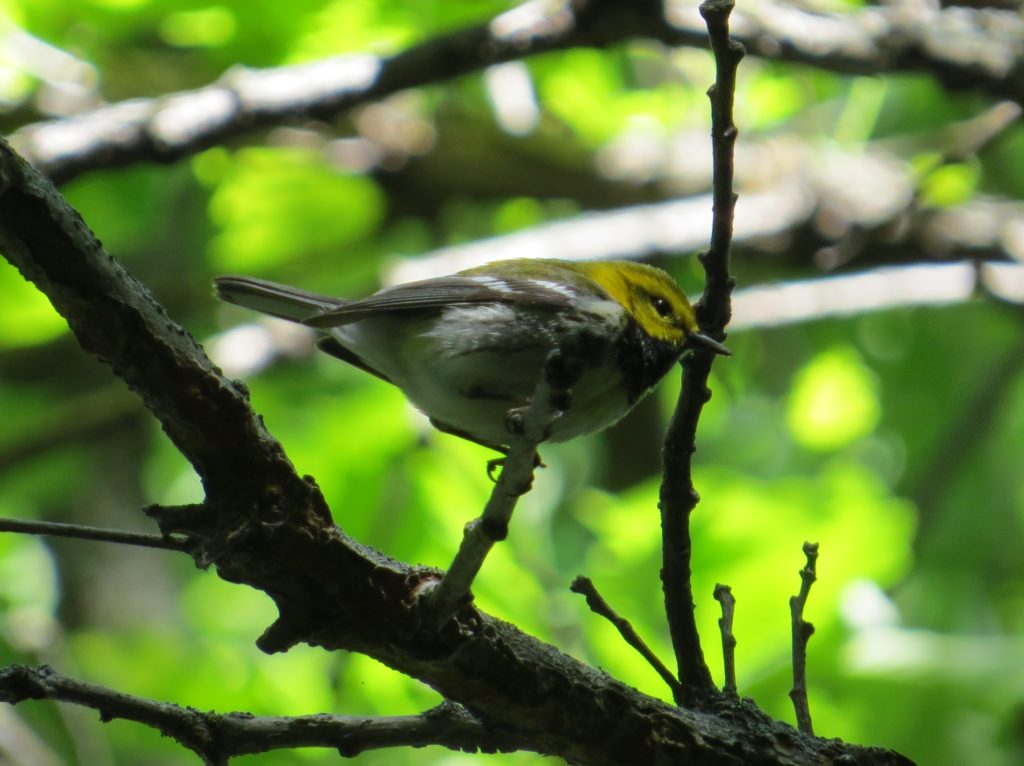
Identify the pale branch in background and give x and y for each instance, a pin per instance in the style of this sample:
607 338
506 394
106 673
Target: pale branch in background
802 632
585 587
723 595
677 496
178 125
857 208
962 48
881 289
942 42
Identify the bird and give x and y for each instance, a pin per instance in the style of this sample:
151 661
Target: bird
467 348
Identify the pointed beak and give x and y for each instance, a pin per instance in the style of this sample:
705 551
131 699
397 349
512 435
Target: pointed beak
700 339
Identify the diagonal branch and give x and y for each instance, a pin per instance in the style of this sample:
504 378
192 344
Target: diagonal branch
586 588
180 124
678 495
203 413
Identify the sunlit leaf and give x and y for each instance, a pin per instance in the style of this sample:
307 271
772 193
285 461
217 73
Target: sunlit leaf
276 204
26 315
210 26
951 184
834 401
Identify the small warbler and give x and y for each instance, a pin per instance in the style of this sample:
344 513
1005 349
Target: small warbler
467 348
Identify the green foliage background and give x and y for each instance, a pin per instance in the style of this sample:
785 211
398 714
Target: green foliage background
893 439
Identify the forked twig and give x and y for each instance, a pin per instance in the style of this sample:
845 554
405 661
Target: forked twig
802 632
723 595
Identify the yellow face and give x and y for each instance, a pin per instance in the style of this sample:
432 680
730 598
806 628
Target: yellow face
650 295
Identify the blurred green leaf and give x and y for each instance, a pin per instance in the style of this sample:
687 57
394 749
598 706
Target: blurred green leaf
26 315
950 184
211 26
587 91
274 205
29 591
834 401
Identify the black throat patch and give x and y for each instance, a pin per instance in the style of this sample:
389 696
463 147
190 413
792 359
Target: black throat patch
643 360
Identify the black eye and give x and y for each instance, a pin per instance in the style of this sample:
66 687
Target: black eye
662 306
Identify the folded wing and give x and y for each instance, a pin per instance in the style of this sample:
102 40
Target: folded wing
442 292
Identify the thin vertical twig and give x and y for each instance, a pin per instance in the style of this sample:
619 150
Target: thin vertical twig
678 496
802 632
723 595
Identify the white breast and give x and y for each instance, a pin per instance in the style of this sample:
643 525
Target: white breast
469 365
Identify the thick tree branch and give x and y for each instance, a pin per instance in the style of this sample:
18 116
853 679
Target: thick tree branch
678 497
200 411
218 737
268 528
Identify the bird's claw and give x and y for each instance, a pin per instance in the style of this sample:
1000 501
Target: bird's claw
499 462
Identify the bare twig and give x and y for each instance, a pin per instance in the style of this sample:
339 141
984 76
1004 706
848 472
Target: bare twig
585 587
216 737
714 309
723 595
802 632
678 496
57 529
528 427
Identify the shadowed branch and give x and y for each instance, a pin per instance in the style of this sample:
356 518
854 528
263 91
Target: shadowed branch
678 496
